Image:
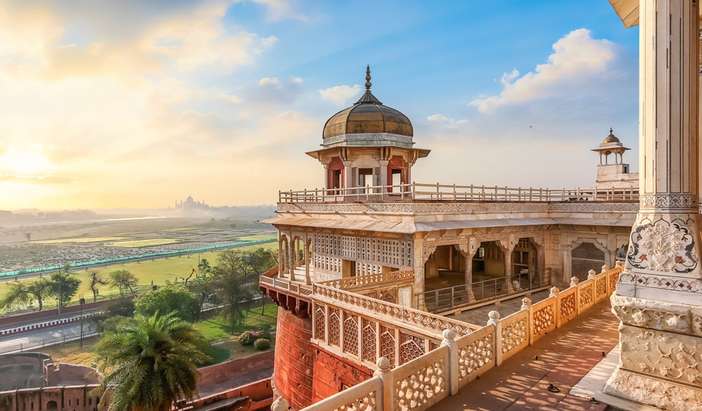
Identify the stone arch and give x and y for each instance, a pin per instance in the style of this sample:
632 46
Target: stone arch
588 254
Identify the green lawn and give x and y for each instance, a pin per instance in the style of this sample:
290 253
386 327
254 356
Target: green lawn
158 270
217 328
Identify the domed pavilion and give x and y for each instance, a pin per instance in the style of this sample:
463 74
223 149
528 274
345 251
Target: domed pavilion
368 145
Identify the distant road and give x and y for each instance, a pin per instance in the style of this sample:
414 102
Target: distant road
29 341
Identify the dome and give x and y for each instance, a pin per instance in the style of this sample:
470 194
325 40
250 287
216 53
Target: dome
368 116
610 139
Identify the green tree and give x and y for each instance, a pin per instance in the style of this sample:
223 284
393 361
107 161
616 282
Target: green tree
95 282
232 286
17 296
203 286
40 289
150 363
124 281
63 286
169 299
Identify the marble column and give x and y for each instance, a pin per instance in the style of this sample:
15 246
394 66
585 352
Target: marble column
307 253
348 176
384 173
659 295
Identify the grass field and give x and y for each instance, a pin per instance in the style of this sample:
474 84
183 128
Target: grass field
79 240
258 237
145 243
217 328
158 270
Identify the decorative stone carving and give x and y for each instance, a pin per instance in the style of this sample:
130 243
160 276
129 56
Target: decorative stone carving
514 333
691 285
419 389
662 354
664 394
678 201
663 246
475 355
656 315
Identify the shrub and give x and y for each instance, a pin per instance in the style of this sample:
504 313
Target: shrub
262 344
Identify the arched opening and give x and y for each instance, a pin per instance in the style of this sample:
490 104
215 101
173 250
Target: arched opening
488 261
51 406
525 264
585 257
445 267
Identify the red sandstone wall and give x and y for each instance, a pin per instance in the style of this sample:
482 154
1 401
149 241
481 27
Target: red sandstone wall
332 374
293 358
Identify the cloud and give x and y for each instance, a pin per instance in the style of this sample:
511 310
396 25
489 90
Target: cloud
340 95
138 117
281 10
577 59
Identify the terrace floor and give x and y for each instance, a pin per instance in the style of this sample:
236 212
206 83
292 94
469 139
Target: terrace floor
561 358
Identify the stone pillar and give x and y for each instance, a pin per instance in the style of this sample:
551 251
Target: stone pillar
507 247
418 259
291 256
308 280
325 183
348 175
659 294
384 173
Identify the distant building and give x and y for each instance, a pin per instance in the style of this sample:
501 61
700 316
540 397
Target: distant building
191 204
617 174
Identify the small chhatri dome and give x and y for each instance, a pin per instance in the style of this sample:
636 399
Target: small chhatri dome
368 116
610 139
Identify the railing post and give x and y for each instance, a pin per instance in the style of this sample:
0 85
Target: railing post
414 190
553 292
438 195
454 192
494 319
450 342
526 305
471 191
384 372
453 302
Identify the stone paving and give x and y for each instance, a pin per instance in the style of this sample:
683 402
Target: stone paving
561 358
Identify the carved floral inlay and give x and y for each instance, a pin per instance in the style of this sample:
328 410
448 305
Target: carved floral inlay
662 245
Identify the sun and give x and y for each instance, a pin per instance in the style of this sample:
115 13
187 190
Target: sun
27 163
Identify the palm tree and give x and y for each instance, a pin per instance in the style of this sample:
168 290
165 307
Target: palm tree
123 280
150 363
232 286
95 282
39 290
17 295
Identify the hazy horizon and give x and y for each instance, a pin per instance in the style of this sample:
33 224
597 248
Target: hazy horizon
131 104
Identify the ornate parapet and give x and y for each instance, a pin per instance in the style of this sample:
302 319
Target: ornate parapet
450 361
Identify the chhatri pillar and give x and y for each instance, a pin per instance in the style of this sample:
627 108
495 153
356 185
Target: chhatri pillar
659 295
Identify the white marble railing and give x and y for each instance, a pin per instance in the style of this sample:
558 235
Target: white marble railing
371 280
382 309
424 381
287 285
453 192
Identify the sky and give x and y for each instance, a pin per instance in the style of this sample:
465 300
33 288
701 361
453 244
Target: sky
107 104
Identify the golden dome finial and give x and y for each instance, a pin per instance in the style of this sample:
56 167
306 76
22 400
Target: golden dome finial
368 77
